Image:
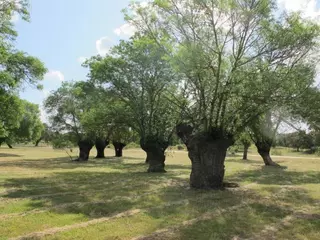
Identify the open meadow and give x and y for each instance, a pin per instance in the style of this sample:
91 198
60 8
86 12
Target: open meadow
43 195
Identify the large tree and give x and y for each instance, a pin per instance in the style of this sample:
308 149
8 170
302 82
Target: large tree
139 75
236 60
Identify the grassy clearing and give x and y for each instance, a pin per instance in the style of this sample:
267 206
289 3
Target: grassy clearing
45 196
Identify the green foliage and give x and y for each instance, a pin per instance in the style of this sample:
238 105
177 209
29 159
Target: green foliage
138 75
17 69
235 60
30 126
62 141
65 107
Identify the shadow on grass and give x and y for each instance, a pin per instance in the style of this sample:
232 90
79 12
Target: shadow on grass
9 155
277 176
99 194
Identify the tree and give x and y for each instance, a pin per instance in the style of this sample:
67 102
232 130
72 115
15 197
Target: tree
46 135
245 140
17 68
66 109
263 134
139 75
235 59
30 126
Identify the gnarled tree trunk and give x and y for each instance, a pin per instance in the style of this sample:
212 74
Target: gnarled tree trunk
118 147
37 142
207 153
155 150
101 144
245 152
85 147
264 151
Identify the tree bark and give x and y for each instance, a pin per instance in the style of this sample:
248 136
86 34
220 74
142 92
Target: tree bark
155 150
264 151
85 147
245 152
118 147
9 145
37 142
207 152
100 146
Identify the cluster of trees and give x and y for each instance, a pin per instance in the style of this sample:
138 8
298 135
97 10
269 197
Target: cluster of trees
209 71
300 140
19 119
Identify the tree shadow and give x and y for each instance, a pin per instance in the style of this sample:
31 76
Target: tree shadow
9 155
277 176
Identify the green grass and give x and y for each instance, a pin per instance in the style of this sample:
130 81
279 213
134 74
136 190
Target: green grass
41 190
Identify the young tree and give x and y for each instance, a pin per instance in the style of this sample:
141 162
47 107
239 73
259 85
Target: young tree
236 60
137 73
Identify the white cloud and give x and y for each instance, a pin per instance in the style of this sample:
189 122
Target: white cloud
308 8
53 74
81 59
125 30
103 45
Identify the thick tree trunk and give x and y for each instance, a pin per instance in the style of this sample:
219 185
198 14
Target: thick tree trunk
155 150
118 147
264 151
207 152
245 152
85 147
100 146
37 142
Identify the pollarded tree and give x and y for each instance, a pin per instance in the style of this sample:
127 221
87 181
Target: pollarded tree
236 59
66 107
139 75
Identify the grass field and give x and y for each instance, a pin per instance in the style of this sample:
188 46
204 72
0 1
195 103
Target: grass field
43 195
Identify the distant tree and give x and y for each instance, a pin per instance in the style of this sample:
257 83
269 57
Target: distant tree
246 141
46 135
29 127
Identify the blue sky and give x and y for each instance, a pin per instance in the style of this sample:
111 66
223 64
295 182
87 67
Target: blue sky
63 32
